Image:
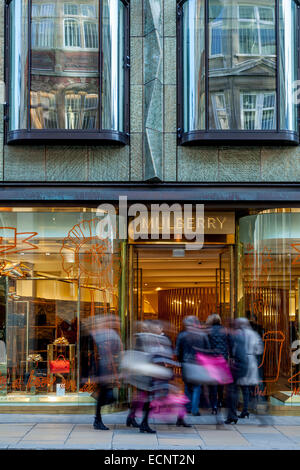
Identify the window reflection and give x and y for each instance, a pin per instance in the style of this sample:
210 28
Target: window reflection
65 65
242 65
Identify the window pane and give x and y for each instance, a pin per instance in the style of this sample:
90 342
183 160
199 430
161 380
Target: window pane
42 33
72 33
18 65
194 65
288 65
88 10
258 111
90 35
266 14
47 9
113 64
65 68
248 38
242 64
70 9
246 12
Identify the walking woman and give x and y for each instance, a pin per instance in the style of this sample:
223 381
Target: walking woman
157 346
218 340
238 362
253 348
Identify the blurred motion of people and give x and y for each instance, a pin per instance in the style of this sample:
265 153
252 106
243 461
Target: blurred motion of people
254 347
104 330
218 340
238 362
190 341
151 386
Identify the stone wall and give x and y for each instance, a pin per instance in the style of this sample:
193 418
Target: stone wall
153 153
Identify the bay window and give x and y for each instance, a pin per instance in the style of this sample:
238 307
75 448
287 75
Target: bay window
237 71
67 71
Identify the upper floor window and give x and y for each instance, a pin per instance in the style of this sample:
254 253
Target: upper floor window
237 71
68 70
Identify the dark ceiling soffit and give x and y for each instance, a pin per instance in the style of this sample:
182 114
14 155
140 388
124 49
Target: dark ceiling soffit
258 193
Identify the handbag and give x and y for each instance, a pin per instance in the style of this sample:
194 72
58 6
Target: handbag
217 367
196 374
59 365
139 363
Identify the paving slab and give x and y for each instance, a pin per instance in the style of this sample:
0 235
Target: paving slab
180 442
228 438
38 445
256 429
16 430
290 431
174 429
267 439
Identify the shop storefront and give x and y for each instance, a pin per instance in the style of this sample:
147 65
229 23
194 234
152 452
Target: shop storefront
57 272
268 292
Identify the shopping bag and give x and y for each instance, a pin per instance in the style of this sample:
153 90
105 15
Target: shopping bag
59 365
217 368
138 363
196 374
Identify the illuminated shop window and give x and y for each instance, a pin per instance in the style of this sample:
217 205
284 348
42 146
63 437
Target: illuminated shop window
60 84
57 279
237 71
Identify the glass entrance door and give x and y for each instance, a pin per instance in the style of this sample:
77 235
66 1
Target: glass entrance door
225 283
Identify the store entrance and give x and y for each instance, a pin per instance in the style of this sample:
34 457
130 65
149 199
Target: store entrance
170 282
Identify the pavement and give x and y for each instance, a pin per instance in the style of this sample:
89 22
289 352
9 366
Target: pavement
67 432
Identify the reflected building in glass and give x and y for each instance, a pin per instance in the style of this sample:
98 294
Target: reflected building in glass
239 66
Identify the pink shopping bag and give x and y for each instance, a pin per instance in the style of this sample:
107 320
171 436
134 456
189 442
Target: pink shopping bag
217 367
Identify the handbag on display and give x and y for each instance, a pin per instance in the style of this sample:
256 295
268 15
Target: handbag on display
59 365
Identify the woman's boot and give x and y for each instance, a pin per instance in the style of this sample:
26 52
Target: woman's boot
144 427
98 424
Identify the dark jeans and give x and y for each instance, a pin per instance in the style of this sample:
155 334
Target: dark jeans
216 395
193 393
246 396
232 395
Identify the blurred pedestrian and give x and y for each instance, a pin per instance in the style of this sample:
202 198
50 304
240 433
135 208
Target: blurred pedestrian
190 341
105 333
238 365
253 348
218 340
154 383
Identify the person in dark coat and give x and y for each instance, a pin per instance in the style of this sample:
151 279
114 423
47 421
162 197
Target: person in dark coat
190 341
238 367
104 331
152 341
219 344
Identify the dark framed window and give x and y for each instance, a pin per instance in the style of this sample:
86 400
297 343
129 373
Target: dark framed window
67 71
238 71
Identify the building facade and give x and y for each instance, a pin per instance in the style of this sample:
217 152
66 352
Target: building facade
158 101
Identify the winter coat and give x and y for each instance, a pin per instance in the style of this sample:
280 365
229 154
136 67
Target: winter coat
189 343
218 340
159 348
253 348
109 347
238 359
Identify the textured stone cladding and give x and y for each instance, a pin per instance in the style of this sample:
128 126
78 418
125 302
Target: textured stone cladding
153 153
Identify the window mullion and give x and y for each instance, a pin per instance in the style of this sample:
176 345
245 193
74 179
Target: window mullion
206 49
